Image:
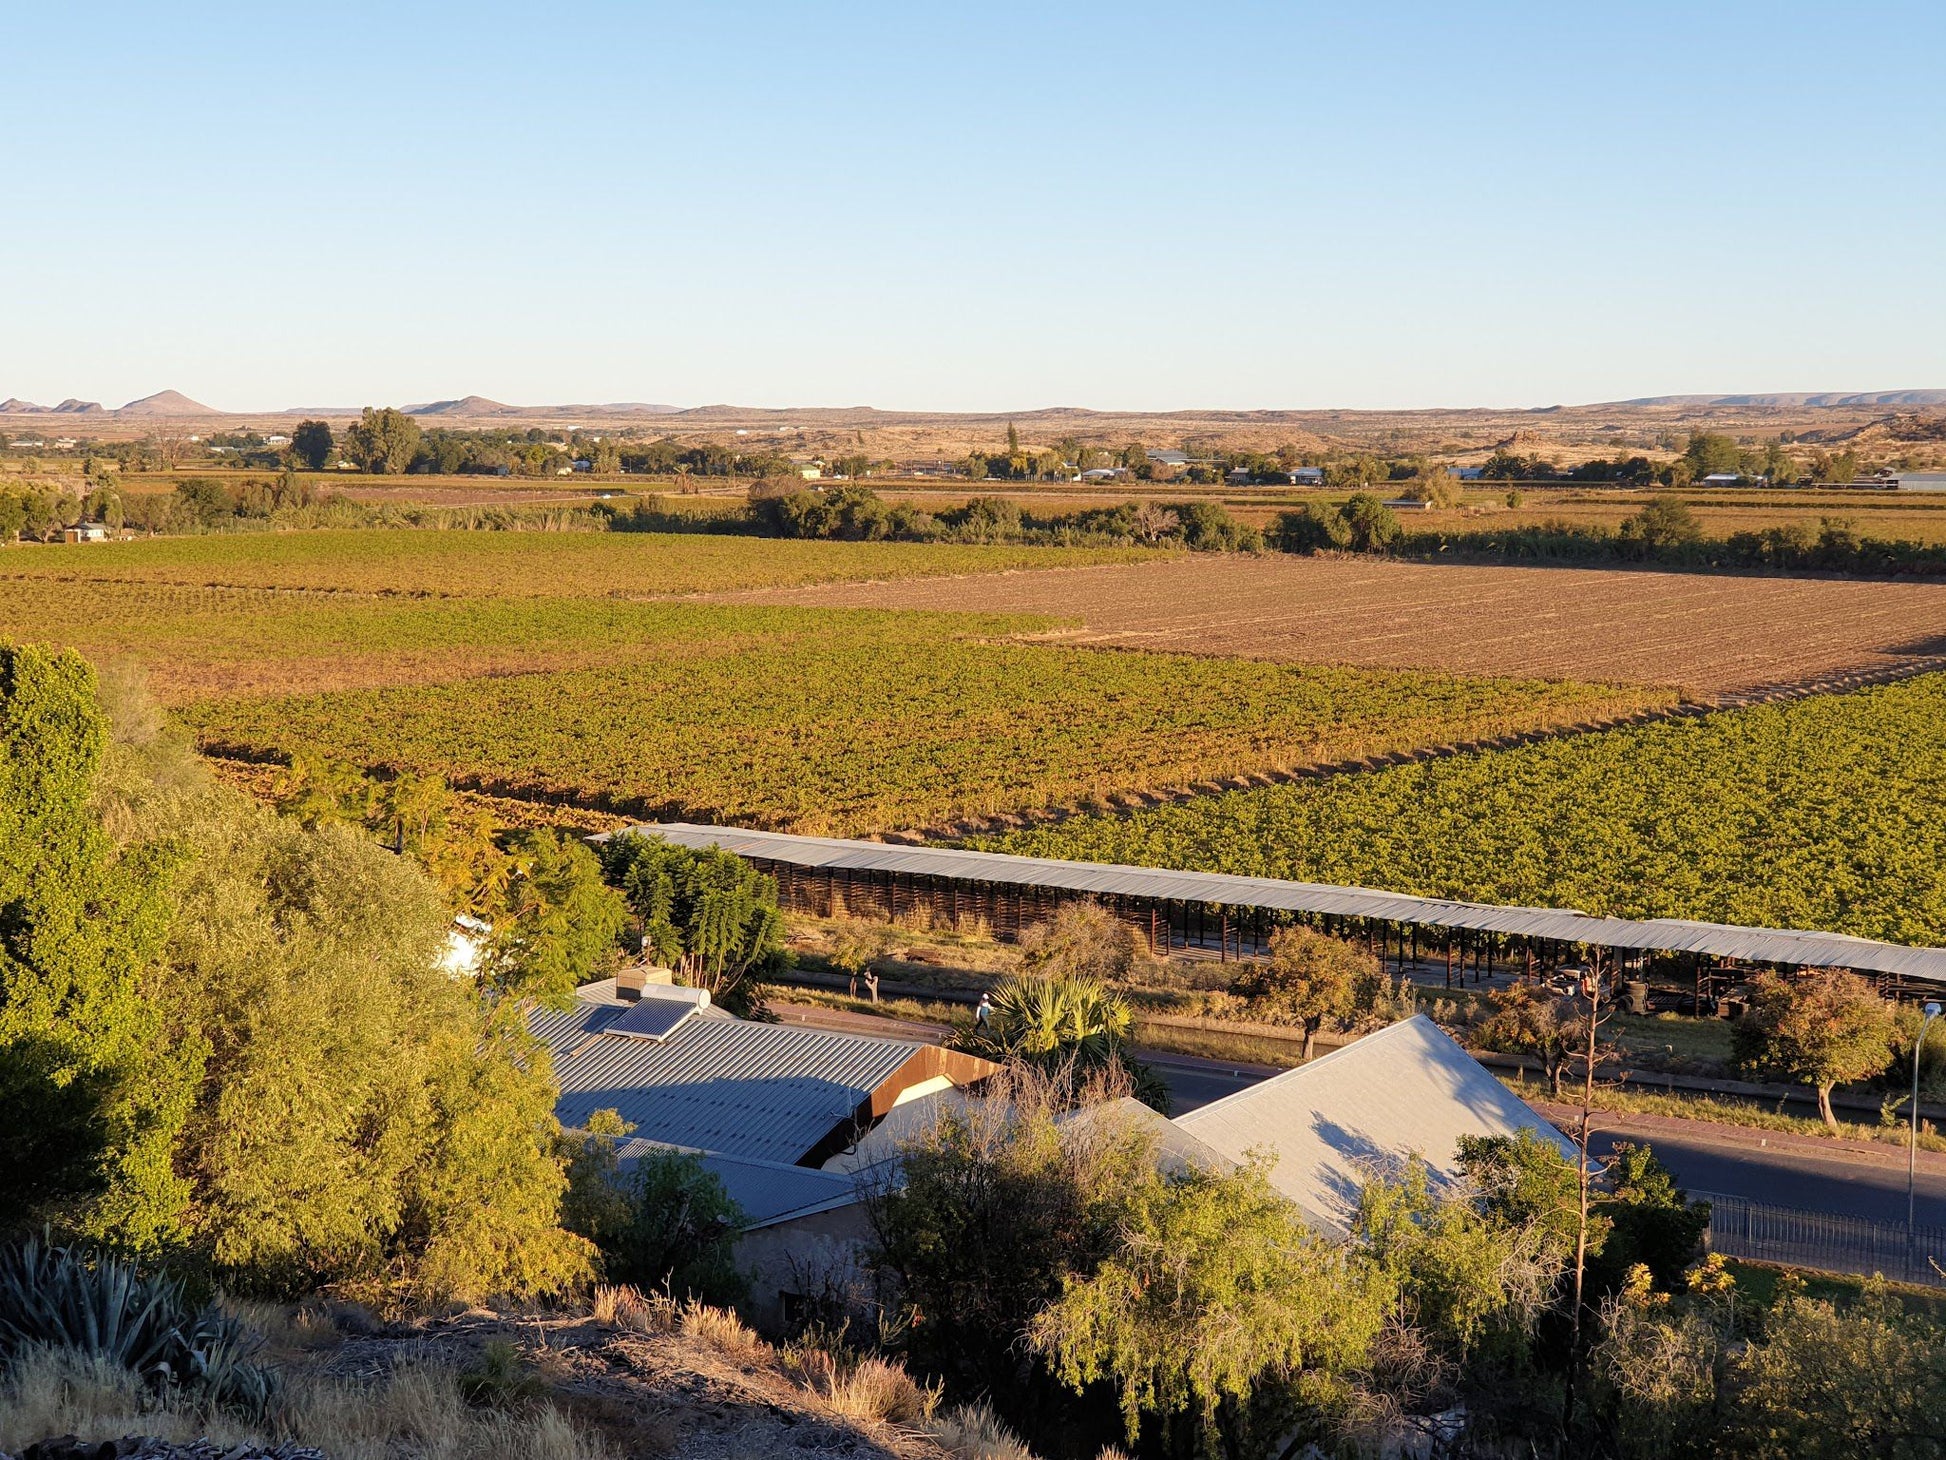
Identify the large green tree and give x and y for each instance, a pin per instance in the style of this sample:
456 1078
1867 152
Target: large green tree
383 440
1215 1287
92 1092
311 443
707 913
1826 1028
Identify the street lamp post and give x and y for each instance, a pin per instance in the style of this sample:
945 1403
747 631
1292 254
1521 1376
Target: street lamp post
1912 1142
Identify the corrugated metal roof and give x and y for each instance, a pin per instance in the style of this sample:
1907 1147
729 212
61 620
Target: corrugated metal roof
1801 949
1365 1109
768 1092
768 1192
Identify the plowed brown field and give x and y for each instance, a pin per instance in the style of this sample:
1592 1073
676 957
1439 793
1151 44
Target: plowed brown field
1706 634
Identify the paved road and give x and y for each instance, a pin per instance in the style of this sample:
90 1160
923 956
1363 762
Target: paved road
1732 1160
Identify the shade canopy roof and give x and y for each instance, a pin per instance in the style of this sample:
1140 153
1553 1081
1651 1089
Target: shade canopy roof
1784 946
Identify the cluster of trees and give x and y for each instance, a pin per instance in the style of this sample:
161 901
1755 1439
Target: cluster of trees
1664 530
1529 1308
234 1040
1060 461
1061 1018
1705 454
225 1039
1058 1266
858 514
707 914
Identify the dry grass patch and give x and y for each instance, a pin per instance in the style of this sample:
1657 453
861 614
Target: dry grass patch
723 1331
416 1411
868 1389
975 1432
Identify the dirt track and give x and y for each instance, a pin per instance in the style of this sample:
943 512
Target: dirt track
1711 635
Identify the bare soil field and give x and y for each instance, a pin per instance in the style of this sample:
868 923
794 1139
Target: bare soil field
1710 636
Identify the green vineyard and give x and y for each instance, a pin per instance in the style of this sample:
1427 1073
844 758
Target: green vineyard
1827 812
820 720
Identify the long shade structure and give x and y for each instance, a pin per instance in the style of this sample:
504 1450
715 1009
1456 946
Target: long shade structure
1784 947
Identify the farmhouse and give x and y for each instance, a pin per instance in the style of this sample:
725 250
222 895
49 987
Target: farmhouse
85 532
799 1125
688 1074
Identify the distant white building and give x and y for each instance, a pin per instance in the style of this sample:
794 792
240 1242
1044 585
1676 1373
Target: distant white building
1722 479
85 532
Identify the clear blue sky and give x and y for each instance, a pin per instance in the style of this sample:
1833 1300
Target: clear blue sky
971 206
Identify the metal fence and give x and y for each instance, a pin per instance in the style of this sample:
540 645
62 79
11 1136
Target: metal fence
1824 1241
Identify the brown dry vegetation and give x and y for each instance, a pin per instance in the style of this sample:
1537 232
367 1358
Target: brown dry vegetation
693 1382
1708 635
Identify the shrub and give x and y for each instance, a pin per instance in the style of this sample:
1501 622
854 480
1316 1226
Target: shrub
869 1388
1312 529
626 1307
974 1432
679 1232
501 1379
107 1312
721 1330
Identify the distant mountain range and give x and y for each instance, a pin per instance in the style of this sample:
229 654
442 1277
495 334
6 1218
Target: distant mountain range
172 403
162 403
1813 399
68 407
479 405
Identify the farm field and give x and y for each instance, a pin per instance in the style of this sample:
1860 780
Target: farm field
1704 634
516 564
1827 812
863 723
437 651
202 643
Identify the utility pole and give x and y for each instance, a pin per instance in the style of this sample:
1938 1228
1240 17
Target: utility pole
1591 991
1912 1142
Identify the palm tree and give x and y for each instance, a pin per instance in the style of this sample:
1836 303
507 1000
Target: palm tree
1044 1018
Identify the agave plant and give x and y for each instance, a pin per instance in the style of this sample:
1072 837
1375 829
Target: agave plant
94 1304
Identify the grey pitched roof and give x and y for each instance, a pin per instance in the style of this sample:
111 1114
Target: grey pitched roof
1790 947
767 1092
1177 1150
1366 1108
767 1192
